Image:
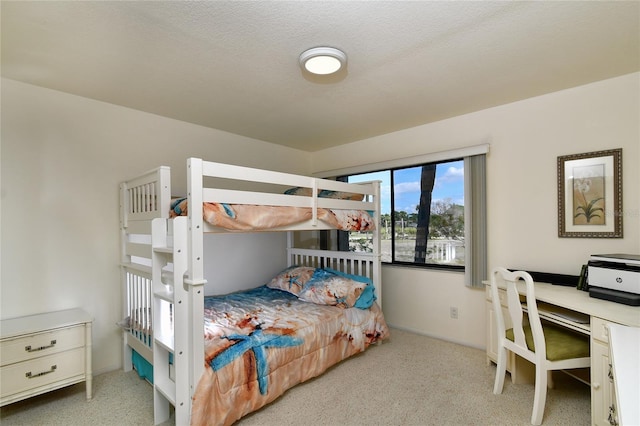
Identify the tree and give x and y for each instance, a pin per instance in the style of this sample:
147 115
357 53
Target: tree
447 220
402 217
427 180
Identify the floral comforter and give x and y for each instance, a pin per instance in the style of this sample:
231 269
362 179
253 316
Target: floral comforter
262 342
240 217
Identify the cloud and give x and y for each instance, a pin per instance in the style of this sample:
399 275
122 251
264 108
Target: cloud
453 174
404 187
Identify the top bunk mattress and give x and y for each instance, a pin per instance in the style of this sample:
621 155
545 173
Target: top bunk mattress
244 199
242 217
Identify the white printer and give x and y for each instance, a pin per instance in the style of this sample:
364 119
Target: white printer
615 277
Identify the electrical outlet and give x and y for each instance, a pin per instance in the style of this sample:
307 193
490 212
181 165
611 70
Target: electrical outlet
453 312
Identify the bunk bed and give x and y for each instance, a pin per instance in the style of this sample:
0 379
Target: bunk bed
198 346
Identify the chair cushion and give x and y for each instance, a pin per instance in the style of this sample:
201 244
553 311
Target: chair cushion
561 343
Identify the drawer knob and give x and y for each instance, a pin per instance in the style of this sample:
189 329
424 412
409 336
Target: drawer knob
30 375
40 348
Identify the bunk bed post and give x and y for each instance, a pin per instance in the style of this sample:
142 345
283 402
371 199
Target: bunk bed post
164 196
195 273
181 322
377 264
290 243
161 356
194 196
124 259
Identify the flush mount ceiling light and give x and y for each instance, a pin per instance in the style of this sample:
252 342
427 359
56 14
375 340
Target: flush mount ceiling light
323 60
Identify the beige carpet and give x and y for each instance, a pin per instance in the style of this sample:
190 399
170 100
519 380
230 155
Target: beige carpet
408 380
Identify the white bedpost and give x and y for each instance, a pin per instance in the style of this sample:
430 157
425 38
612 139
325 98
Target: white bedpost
290 245
163 195
195 273
124 259
377 265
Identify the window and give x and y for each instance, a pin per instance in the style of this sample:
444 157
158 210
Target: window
396 178
422 215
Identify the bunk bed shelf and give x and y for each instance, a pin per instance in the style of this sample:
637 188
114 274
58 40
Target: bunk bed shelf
166 388
161 249
166 341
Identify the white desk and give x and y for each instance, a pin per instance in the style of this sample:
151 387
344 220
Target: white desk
580 301
602 315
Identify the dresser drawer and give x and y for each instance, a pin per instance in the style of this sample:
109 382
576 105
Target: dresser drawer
42 371
41 344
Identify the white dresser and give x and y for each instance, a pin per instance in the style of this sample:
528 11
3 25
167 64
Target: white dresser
41 353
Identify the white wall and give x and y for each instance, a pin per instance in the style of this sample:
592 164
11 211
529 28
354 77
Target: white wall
63 157
242 261
525 140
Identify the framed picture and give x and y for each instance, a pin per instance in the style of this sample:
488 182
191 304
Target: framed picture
590 195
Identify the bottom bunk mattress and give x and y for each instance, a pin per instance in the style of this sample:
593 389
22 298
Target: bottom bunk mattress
261 342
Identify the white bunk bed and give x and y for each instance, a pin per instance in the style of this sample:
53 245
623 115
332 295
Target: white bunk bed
164 305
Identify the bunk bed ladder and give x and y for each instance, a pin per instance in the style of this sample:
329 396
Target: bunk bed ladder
170 313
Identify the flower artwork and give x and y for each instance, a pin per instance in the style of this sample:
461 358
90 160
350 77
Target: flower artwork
588 195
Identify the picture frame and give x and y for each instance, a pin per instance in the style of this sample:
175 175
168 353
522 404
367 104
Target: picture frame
590 195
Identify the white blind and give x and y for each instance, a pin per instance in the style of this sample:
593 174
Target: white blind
475 220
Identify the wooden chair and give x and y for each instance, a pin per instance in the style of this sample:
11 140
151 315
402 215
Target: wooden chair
548 347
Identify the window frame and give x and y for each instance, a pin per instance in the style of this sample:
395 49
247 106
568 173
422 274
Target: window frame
475 157
343 236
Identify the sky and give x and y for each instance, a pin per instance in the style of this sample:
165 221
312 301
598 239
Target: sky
449 185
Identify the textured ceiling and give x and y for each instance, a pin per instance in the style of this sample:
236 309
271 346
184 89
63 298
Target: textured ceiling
233 65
